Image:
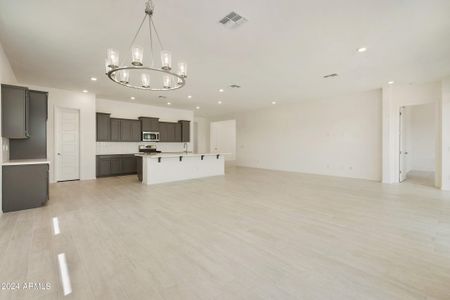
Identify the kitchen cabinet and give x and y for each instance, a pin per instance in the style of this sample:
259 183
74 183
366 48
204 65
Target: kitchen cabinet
103 127
115 130
15 112
149 124
24 186
185 128
124 130
136 131
163 132
139 167
129 165
34 147
169 132
116 164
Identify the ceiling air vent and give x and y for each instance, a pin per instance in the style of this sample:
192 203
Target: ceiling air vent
232 20
330 75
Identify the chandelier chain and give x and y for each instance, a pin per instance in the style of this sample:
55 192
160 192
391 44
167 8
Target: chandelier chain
137 32
157 35
151 40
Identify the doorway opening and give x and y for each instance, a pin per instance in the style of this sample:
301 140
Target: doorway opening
223 138
67 144
418 128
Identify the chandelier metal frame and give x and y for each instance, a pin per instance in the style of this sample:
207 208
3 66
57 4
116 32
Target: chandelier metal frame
113 71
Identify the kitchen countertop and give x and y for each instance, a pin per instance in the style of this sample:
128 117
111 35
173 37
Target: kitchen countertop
176 154
17 162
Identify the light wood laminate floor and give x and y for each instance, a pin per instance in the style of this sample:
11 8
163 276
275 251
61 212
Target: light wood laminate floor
253 234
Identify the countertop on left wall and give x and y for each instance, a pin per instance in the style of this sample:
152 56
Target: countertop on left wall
17 162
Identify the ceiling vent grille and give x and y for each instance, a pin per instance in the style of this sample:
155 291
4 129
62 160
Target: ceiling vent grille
232 20
330 75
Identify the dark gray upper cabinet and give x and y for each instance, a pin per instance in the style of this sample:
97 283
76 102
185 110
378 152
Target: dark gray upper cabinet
170 132
163 132
135 130
149 124
185 131
115 130
15 112
103 127
178 132
124 130
36 145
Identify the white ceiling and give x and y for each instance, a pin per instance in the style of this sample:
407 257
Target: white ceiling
281 53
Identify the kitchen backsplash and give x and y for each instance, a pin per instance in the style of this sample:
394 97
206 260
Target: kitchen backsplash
127 148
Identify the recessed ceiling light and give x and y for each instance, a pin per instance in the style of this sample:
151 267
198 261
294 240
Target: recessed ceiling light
168 103
391 82
93 78
221 90
198 107
219 102
85 91
362 49
274 102
132 98
189 97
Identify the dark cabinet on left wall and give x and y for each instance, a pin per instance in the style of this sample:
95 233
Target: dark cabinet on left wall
15 112
25 186
35 146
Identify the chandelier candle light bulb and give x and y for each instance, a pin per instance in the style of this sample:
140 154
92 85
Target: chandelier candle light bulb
166 81
137 55
182 69
113 58
124 76
166 60
145 78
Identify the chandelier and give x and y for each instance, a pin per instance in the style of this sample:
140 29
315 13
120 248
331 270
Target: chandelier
142 77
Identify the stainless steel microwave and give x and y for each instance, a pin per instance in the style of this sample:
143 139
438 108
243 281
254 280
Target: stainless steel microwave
150 136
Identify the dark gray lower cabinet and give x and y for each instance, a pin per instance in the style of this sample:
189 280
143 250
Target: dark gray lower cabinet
113 165
139 168
24 186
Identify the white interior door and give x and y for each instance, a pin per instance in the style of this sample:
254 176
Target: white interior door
67 134
403 145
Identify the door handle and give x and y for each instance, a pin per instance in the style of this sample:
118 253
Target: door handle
59 154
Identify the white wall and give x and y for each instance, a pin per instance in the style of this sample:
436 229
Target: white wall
443 141
339 136
395 96
85 103
223 138
6 76
203 134
422 150
129 110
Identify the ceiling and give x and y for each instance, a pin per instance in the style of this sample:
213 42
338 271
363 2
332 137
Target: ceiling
280 54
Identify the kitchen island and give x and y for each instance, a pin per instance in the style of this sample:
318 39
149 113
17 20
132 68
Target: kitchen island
168 167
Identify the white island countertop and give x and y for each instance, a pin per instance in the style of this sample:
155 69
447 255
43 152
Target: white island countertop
176 154
17 162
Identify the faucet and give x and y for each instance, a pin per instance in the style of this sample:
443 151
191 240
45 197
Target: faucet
185 147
